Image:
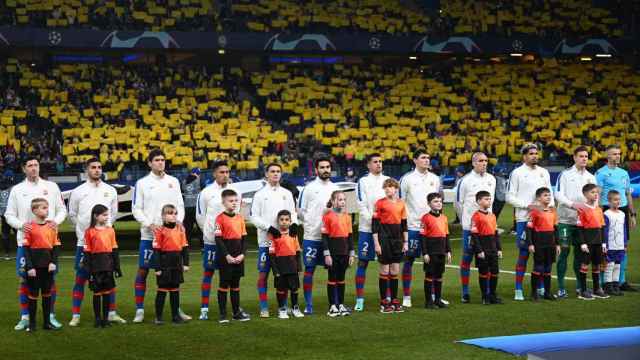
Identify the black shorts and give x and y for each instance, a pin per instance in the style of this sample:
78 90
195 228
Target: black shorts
230 272
338 268
593 257
102 281
435 268
545 255
41 283
489 264
391 251
170 278
287 282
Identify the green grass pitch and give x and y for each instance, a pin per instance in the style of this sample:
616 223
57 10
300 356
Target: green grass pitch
417 333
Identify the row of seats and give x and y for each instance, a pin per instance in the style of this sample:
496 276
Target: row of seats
541 17
196 115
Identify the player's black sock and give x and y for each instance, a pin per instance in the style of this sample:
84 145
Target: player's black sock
383 283
437 290
222 301
331 293
493 283
595 276
341 293
482 281
393 283
294 298
46 310
105 309
235 300
97 308
281 295
33 309
547 284
535 281
174 300
428 290
160 297
582 281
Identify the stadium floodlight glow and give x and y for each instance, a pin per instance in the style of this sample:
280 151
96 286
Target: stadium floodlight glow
221 51
585 58
516 54
413 58
603 55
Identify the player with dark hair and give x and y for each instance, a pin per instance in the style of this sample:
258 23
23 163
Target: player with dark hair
209 206
414 188
82 201
267 203
523 183
568 192
150 195
369 190
311 205
19 216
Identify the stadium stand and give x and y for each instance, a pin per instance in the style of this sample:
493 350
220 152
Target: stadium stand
186 15
289 111
544 18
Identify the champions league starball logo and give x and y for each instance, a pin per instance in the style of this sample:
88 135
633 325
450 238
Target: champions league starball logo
374 43
281 42
128 40
447 46
55 38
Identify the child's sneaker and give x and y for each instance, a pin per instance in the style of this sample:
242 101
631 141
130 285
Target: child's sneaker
139 318
397 308
75 321
585 295
344 311
535 296
550 297
466 299
115 318
495 300
204 314
600 294
223 318
333 311
386 307
562 294
158 321
616 289
486 301
440 304
283 313
296 312
359 305
406 301
241 316
178 320
184 316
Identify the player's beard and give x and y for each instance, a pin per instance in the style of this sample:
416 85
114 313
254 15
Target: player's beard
324 176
